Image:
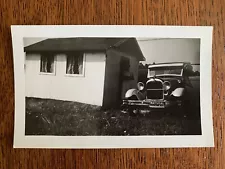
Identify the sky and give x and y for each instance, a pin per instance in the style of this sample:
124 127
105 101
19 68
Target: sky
30 41
171 50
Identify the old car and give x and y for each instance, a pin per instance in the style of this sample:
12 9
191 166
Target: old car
166 87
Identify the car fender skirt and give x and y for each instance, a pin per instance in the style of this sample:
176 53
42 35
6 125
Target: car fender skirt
178 92
134 92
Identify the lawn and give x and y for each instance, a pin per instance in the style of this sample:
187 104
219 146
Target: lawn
54 117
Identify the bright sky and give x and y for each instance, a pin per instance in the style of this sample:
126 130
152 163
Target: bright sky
30 41
171 50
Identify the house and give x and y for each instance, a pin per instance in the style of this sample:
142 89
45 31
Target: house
95 71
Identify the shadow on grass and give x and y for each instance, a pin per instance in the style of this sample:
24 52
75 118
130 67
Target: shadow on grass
54 117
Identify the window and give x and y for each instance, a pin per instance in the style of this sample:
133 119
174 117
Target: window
75 64
47 63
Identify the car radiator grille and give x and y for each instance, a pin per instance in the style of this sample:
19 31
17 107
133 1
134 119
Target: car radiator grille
155 90
155 94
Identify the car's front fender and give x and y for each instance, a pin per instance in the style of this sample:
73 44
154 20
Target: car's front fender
178 92
134 92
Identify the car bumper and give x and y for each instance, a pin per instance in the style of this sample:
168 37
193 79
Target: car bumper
152 103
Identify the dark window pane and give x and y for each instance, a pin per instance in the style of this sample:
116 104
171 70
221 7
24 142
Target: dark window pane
47 63
74 64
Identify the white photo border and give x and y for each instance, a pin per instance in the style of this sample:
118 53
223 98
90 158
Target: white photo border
88 142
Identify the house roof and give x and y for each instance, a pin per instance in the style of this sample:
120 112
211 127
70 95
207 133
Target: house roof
85 44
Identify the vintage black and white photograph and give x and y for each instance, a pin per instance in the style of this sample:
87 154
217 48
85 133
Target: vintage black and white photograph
112 86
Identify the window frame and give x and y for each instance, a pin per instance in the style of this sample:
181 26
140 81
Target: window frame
47 73
76 75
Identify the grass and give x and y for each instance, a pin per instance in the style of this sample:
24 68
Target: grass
54 117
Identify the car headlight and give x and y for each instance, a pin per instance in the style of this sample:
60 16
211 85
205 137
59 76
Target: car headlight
140 86
167 85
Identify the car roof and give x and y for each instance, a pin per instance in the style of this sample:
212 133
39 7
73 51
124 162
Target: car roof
168 64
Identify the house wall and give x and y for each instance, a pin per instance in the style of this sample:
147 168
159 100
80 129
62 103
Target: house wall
112 73
115 89
87 89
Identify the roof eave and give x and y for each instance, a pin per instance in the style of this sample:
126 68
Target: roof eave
64 51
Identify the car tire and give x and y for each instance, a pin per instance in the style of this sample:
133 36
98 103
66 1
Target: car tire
188 109
177 111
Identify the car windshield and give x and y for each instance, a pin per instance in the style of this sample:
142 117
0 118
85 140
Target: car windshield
171 70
